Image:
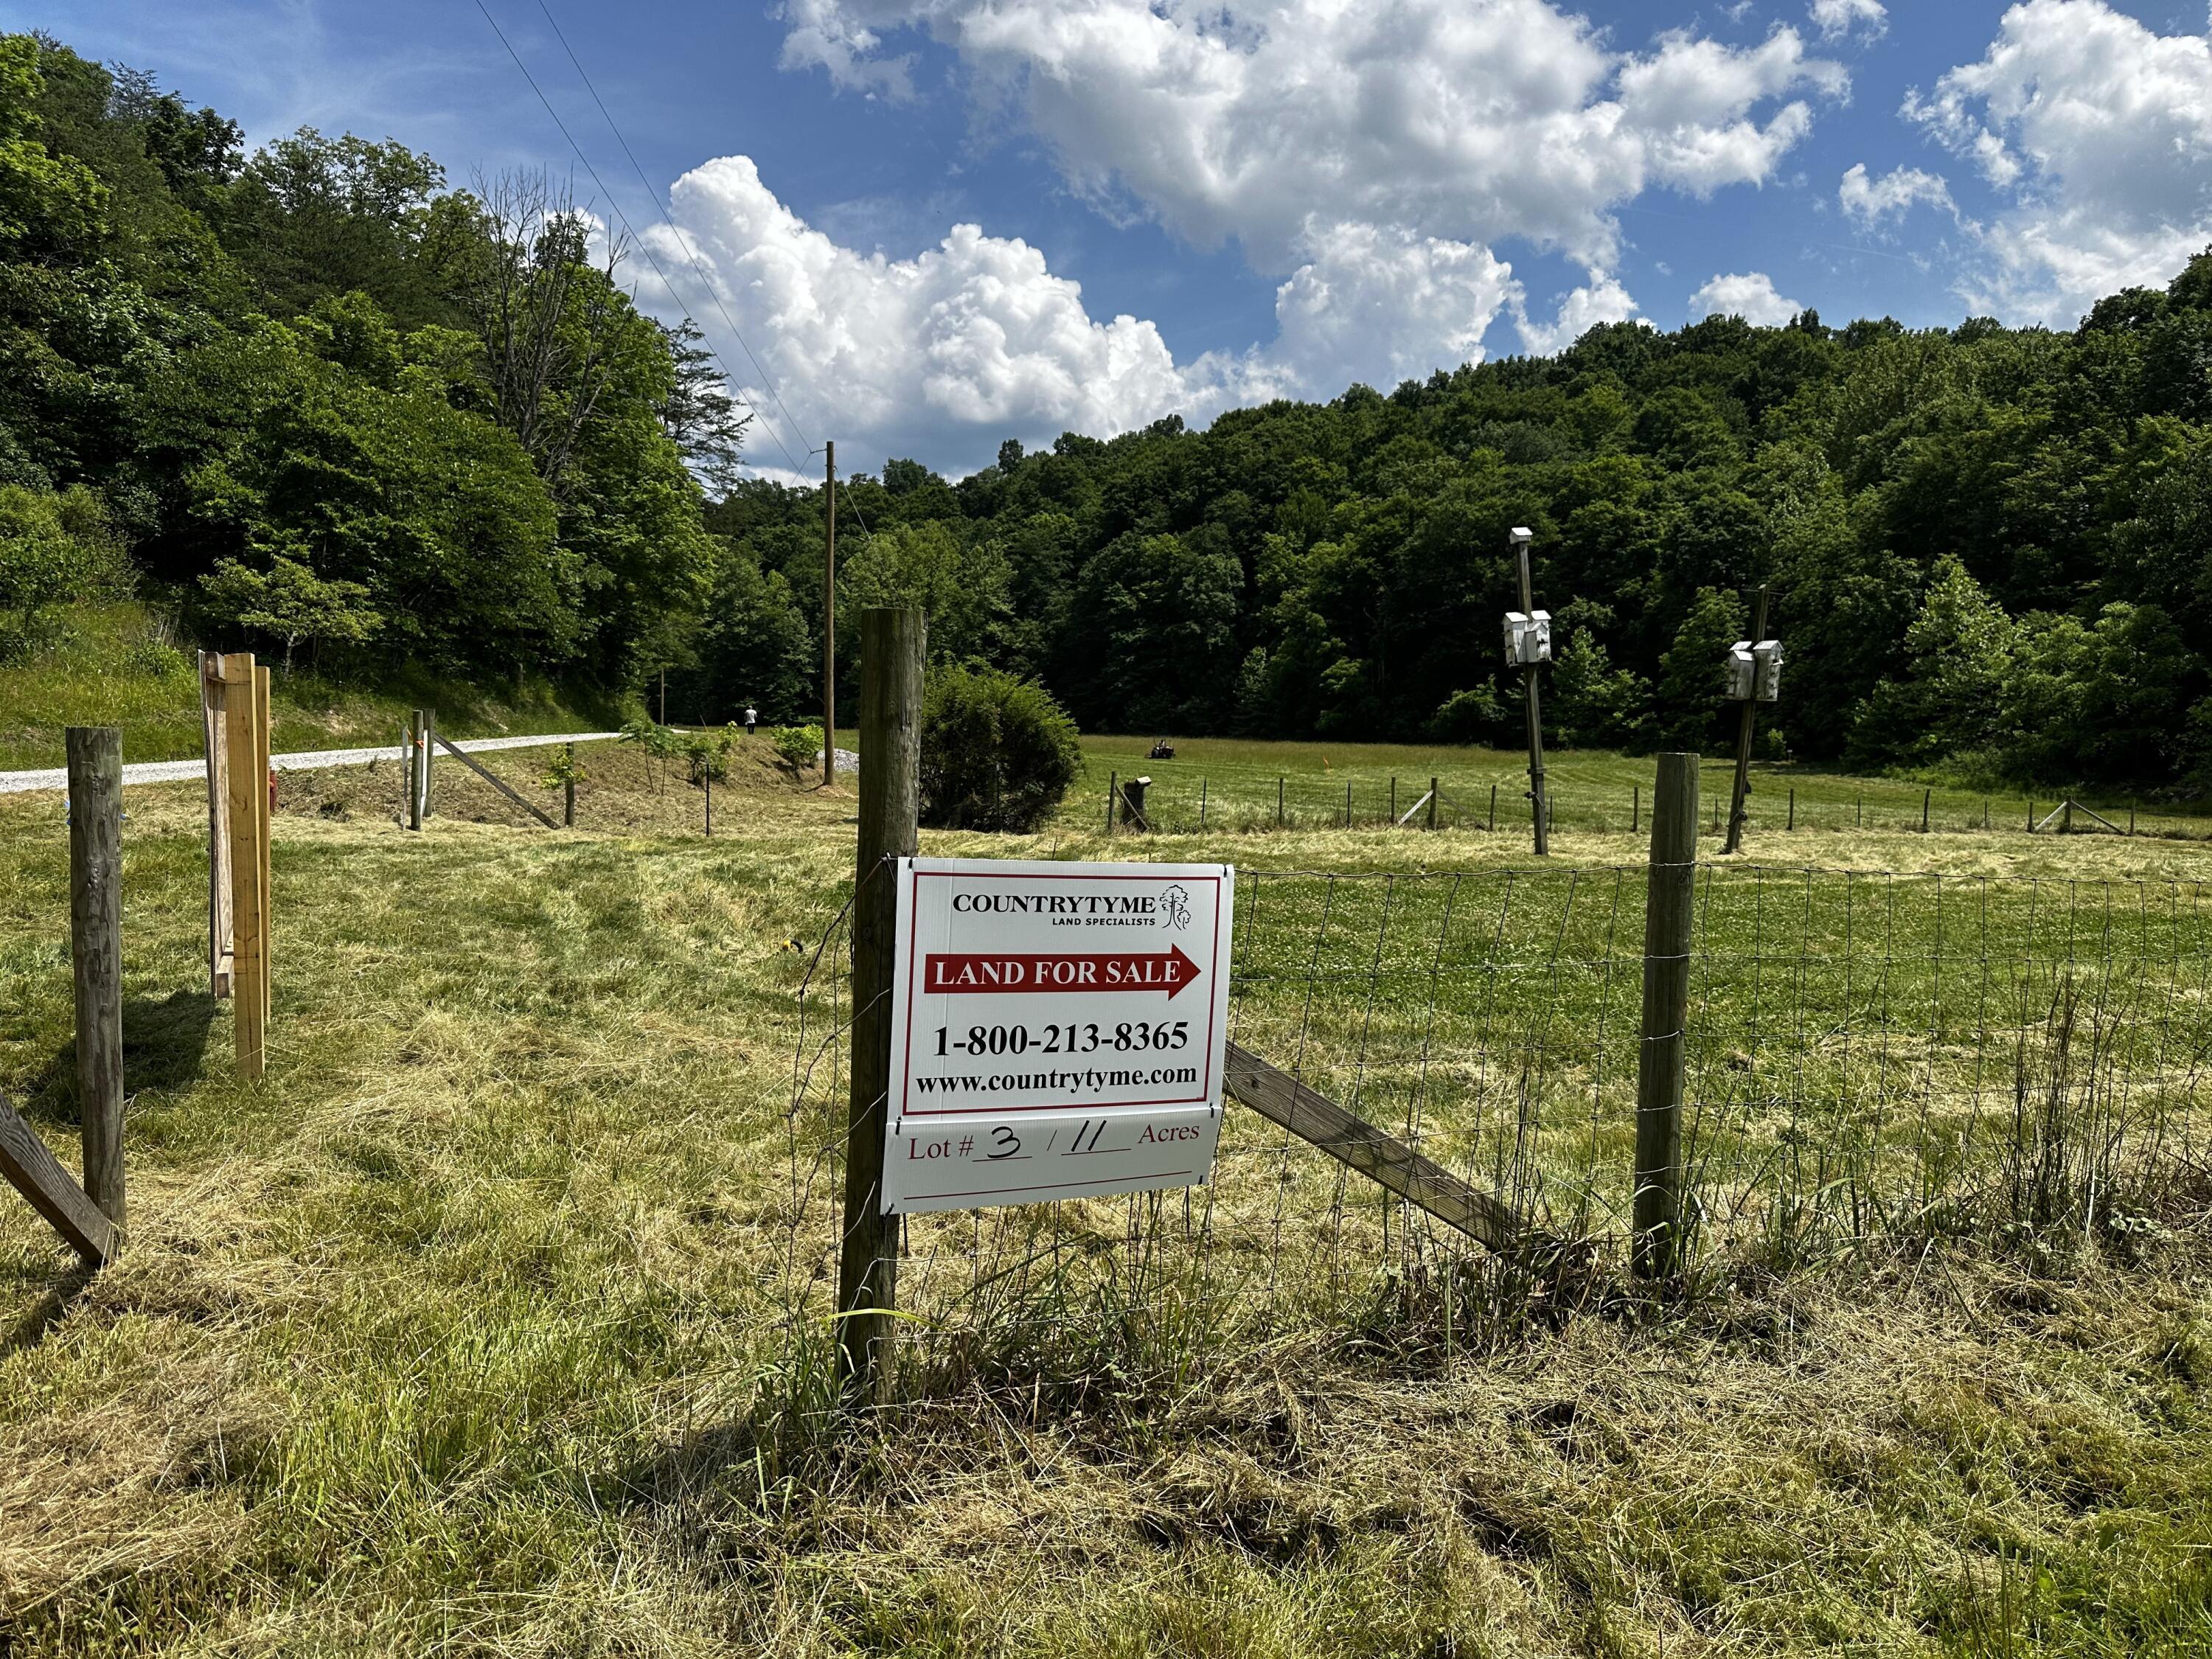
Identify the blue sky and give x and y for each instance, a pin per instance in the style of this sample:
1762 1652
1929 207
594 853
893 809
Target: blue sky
941 223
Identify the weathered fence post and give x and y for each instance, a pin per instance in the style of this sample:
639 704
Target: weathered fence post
710 797
418 766
891 651
95 792
1201 806
1432 803
245 737
1347 804
1667 916
1793 806
1278 802
1635 806
1926 796
568 791
1493 806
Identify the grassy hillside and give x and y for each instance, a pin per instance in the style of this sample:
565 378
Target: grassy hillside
122 666
465 1332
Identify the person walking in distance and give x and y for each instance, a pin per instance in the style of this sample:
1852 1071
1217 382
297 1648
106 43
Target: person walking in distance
752 719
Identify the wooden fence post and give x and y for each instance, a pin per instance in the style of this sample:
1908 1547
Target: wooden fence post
429 753
1926 796
1793 806
569 791
1669 914
1493 806
1278 802
1394 798
95 793
1635 806
891 651
1347 804
264 803
410 766
1432 803
249 830
1201 806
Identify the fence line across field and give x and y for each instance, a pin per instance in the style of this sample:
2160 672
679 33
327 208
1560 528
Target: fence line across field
1202 802
1865 1054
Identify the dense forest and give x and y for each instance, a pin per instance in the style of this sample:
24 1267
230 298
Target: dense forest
1985 546
318 401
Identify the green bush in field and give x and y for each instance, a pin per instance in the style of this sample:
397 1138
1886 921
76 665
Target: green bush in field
706 755
997 752
798 746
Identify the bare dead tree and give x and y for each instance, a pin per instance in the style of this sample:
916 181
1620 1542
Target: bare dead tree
547 322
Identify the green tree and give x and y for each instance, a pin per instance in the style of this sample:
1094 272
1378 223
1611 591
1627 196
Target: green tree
1956 687
1694 673
289 602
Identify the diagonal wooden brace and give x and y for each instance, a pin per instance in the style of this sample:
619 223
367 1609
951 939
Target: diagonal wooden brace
1313 1117
37 1174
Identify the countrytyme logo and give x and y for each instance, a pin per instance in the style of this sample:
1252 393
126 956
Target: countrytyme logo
1175 904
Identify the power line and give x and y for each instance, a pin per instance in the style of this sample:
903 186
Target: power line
615 204
682 241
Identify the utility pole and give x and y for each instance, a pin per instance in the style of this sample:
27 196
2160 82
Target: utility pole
1529 638
829 614
1743 731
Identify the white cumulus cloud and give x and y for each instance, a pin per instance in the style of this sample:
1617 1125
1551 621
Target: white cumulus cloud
1259 119
941 355
1869 200
1749 295
2098 131
1837 18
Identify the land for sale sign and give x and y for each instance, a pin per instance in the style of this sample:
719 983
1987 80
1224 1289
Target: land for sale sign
1057 1029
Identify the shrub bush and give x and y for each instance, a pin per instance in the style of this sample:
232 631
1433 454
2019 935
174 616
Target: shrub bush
798 746
997 752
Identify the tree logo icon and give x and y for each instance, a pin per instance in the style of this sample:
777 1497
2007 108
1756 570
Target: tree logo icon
1176 903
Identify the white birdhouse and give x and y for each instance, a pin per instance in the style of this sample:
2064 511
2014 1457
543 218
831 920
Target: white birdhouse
1742 672
1766 677
1528 638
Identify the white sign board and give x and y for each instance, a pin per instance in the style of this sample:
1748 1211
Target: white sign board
1057 1029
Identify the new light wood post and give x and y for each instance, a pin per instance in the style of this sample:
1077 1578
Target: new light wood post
264 803
892 646
1667 917
95 791
249 818
213 695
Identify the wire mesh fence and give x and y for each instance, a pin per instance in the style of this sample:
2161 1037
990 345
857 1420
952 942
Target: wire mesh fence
1178 799
1872 1058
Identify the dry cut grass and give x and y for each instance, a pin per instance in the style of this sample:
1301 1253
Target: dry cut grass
465 1333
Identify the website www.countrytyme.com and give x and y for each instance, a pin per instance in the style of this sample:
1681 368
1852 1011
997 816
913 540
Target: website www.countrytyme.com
1068 1083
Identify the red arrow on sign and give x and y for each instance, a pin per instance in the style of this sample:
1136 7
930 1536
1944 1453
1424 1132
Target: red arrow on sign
950 975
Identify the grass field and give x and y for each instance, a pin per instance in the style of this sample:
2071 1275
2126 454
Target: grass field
470 1330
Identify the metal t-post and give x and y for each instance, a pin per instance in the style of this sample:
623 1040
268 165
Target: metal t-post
1743 738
